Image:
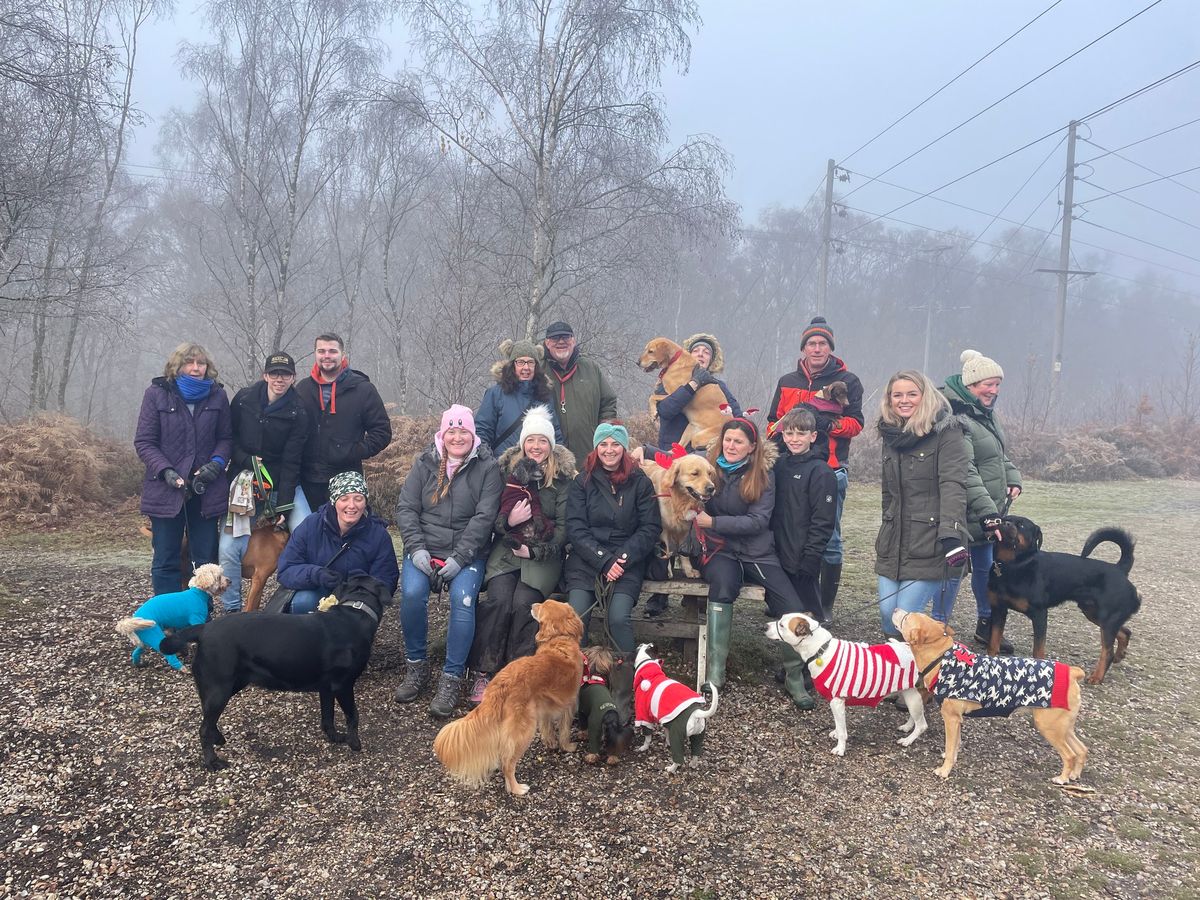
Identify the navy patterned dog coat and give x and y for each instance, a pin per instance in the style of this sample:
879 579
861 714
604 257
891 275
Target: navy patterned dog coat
1001 684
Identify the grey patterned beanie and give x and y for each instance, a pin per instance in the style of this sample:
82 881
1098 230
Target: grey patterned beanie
347 483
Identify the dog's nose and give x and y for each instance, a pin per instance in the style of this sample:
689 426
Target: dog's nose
898 617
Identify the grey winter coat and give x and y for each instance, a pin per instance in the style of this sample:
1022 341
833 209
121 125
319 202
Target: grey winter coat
540 574
924 500
745 527
989 470
459 525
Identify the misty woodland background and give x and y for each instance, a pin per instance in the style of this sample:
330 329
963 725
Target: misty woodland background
521 174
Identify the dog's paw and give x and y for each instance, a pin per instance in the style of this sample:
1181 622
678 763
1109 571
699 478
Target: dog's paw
942 772
907 726
672 768
907 741
354 743
335 737
519 790
591 758
216 764
839 750
833 734
694 762
570 747
612 760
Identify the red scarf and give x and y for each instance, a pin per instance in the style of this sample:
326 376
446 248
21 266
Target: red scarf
316 376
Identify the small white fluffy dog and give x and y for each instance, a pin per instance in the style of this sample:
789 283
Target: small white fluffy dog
178 609
855 674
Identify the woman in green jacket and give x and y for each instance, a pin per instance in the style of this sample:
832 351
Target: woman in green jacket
992 479
519 577
920 547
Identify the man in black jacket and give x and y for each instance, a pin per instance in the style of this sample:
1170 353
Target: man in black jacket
270 426
347 420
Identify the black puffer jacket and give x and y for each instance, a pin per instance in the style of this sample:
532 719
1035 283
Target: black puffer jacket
338 441
745 527
460 523
805 504
924 500
277 436
603 522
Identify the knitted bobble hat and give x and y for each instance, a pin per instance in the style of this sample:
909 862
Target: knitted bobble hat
818 327
977 367
537 421
522 349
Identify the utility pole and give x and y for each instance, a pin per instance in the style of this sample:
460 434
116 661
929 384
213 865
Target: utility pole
931 302
826 226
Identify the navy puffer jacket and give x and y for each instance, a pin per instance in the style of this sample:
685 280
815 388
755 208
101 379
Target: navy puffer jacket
316 540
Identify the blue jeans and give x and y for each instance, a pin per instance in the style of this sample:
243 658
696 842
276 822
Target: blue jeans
620 613
306 601
166 569
981 564
230 551
914 596
414 613
833 550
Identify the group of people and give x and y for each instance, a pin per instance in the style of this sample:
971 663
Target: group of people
293 453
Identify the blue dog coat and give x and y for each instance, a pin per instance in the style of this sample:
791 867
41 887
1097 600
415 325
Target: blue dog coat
1001 684
176 610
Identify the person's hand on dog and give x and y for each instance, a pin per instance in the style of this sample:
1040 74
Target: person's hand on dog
205 475
991 526
701 376
1014 491
522 511
825 424
173 479
422 560
449 569
703 519
955 553
617 569
522 552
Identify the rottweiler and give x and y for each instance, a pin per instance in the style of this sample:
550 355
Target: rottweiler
1031 580
323 652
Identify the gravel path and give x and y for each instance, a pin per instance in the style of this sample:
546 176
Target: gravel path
102 793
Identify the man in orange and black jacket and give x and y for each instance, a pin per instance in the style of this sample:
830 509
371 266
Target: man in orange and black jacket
817 368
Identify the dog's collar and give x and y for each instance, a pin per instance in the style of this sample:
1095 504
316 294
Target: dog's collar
358 604
820 652
670 362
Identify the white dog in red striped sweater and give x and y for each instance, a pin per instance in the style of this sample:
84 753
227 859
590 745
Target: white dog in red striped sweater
854 674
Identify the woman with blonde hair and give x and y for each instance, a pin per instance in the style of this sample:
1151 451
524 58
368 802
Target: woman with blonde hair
738 546
921 544
447 508
185 437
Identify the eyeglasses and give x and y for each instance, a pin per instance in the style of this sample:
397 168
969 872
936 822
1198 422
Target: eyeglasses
281 375
524 362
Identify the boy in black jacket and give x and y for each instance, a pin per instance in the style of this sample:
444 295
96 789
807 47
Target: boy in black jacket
805 505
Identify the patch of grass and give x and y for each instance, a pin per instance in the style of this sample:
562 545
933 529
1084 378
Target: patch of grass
1072 826
1031 863
1116 860
1135 830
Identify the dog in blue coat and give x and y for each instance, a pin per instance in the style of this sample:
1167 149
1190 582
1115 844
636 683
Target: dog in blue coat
179 609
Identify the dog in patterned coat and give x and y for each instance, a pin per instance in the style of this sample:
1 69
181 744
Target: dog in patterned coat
847 673
968 684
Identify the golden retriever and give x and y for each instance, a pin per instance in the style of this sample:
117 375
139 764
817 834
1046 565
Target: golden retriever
682 487
533 693
704 414
934 647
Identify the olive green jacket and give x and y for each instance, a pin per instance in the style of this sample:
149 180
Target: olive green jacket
989 470
583 401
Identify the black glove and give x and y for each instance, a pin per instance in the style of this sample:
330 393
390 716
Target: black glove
825 424
173 479
205 476
811 565
702 376
328 579
990 523
955 553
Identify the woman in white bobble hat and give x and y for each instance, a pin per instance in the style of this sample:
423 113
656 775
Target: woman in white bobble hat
518 578
991 477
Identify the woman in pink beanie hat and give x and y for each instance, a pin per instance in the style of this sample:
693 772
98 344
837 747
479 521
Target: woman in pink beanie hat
447 507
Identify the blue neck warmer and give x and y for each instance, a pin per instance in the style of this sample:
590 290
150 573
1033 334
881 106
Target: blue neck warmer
727 467
193 389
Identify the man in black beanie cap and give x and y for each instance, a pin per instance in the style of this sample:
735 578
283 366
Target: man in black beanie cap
817 368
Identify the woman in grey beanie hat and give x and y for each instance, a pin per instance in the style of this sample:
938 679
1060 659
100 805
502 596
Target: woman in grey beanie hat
521 382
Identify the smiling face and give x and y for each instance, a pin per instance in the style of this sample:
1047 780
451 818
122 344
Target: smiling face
329 358
702 354
609 451
525 368
536 447
458 442
561 347
798 441
816 352
986 391
350 508
904 397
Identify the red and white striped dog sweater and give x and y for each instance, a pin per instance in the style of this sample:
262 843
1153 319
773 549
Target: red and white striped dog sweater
863 674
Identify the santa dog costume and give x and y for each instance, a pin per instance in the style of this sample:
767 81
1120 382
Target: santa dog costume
660 701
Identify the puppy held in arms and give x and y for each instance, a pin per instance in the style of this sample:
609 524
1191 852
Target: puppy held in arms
523 483
530 694
662 702
178 609
854 674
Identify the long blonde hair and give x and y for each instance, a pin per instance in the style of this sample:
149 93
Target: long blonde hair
442 488
185 351
929 408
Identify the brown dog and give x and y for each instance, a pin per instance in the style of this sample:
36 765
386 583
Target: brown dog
683 482
674 365
956 676
261 558
530 694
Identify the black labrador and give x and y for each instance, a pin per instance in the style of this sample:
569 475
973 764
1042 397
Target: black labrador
323 652
1031 580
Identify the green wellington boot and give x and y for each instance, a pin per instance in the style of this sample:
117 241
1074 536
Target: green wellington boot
793 680
720 626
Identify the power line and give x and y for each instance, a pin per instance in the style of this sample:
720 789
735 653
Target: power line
1144 168
1143 184
1120 196
1195 259
951 81
1133 143
1142 90
1022 87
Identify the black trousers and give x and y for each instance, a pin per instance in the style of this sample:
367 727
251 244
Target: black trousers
504 627
809 591
317 492
726 575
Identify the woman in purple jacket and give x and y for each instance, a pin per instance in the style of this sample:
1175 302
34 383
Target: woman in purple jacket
185 438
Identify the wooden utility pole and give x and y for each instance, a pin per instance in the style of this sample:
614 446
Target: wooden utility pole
1064 258
826 226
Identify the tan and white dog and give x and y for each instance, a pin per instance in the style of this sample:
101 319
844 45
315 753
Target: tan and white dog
971 684
674 364
848 673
